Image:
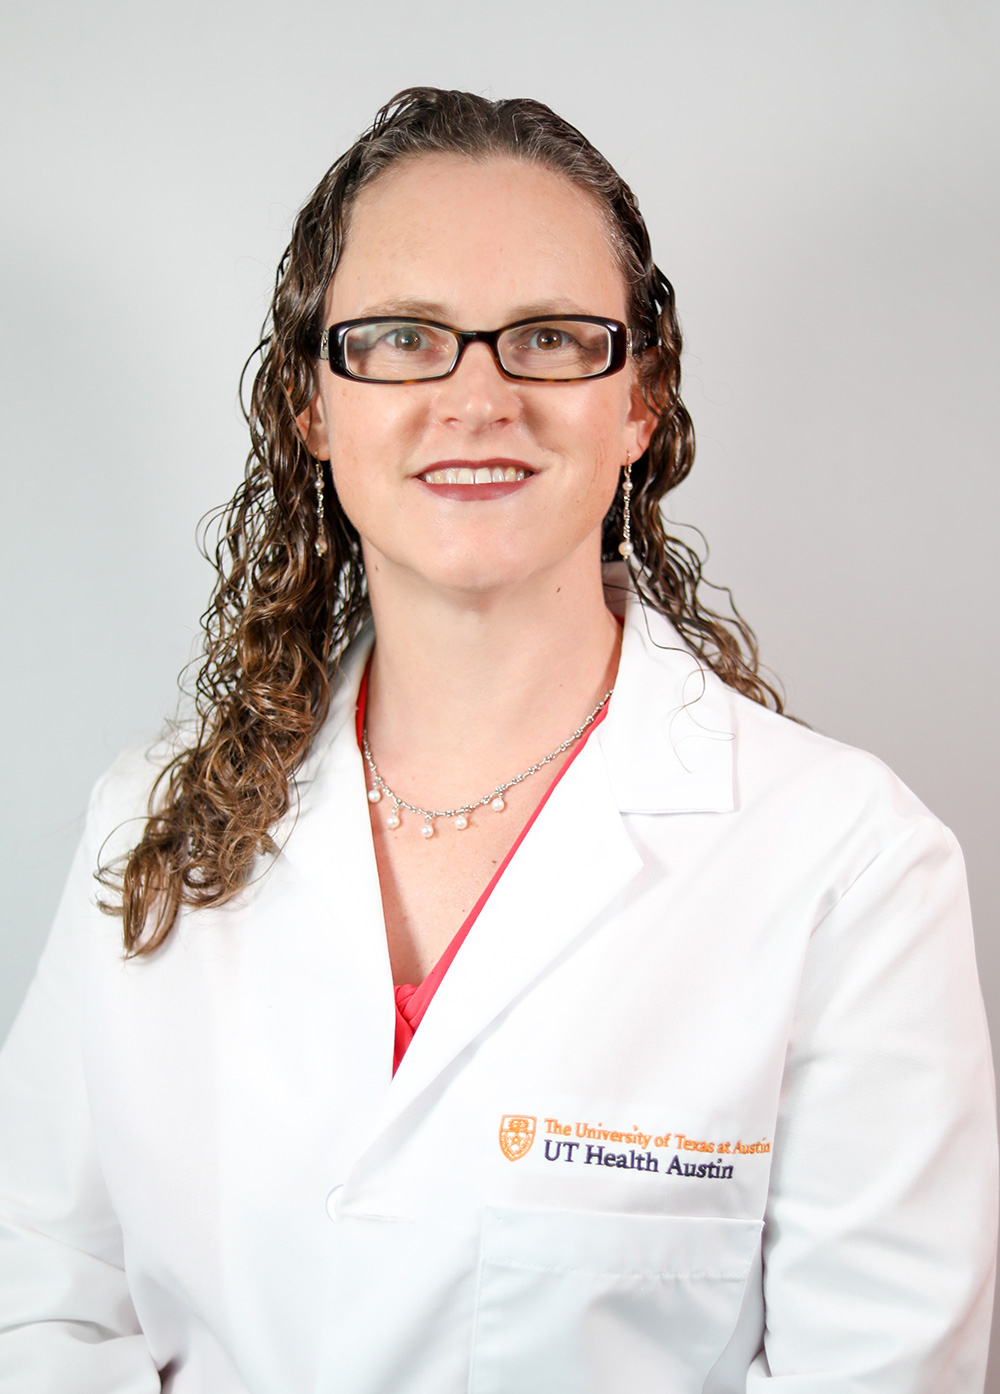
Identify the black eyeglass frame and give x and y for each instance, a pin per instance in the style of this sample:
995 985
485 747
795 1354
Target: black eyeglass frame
625 343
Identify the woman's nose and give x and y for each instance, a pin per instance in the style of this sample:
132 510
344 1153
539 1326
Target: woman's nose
477 394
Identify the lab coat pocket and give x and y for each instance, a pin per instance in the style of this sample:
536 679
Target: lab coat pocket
595 1302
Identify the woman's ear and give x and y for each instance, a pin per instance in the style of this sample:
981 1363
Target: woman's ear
313 429
641 422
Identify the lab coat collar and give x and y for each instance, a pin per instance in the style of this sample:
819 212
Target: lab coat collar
326 833
667 741
668 736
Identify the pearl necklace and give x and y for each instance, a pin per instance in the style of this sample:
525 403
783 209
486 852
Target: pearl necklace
494 798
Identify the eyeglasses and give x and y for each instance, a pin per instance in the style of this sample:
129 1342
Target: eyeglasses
558 348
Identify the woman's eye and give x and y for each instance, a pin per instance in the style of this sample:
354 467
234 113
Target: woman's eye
405 339
548 339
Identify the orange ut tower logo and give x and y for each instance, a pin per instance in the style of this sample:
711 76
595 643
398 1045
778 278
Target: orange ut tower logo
517 1133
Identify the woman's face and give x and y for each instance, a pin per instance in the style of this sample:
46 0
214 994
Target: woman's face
476 246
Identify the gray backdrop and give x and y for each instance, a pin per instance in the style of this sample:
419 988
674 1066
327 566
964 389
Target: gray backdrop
820 180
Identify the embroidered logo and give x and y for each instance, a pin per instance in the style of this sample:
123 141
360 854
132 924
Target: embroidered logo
517 1133
580 1142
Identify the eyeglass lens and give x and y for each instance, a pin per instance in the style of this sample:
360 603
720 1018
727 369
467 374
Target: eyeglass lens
404 351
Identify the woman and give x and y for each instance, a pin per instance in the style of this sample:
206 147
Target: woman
685 1085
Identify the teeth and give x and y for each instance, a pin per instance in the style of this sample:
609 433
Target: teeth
499 474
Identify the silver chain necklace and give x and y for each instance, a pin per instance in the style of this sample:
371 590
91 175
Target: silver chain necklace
494 798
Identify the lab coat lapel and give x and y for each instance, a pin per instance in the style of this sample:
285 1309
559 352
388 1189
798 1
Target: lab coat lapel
323 834
574 864
326 838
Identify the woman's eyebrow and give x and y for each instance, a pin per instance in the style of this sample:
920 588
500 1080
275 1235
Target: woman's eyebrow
433 310
424 309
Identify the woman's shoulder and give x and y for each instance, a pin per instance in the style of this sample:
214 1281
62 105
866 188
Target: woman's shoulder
773 758
781 775
123 796
822 783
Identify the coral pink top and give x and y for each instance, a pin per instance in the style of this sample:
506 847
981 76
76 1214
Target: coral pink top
413 999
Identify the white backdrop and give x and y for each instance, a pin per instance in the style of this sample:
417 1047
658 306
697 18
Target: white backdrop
820 180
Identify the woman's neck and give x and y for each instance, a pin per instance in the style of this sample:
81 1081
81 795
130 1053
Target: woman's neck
467 690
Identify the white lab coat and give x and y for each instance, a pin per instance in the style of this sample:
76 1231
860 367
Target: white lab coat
728 947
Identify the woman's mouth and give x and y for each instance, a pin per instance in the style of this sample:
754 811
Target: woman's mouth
471 481
480 474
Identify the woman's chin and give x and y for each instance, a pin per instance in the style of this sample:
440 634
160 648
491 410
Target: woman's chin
478 580
483 566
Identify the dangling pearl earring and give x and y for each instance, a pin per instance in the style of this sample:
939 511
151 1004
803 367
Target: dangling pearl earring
625 547
320 544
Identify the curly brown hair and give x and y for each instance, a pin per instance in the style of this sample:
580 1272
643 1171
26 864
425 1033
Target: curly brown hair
282 614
